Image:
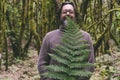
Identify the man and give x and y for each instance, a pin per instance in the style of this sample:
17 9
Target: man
54 37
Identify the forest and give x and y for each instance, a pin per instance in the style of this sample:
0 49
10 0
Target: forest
24 23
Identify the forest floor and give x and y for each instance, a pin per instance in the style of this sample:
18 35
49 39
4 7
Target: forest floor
27 69
22 70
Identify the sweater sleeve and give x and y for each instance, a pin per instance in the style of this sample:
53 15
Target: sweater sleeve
91 58
44 58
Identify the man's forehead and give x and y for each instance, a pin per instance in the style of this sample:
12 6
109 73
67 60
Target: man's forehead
67 6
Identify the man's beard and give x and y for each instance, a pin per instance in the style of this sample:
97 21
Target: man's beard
64 21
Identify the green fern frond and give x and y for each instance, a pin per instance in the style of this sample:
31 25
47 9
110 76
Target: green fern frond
59 59
80 52
57 68
81 46
78 59
80 73
64 49
80 65
55 75
59 76
71 56
63 54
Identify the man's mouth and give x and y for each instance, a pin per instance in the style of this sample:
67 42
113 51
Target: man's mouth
65 17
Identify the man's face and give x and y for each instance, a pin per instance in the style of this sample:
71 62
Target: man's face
67 10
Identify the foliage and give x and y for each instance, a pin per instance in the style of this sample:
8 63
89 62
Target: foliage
71 56
116 31
107 67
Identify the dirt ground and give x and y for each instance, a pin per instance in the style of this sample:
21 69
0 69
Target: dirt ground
27 69
22 70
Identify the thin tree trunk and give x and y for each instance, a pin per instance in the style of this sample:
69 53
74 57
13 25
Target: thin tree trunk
4 33
109 24
22 28
83 10
6 51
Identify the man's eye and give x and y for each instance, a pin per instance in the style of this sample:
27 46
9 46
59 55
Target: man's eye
71 12
64 12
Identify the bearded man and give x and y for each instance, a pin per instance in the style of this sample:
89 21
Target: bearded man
53 38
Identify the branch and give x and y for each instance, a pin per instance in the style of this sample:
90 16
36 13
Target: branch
97 23
99 40
83 9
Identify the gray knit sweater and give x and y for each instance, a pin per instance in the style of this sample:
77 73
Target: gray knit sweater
50 41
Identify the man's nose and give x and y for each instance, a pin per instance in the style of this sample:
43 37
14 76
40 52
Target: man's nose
68 12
